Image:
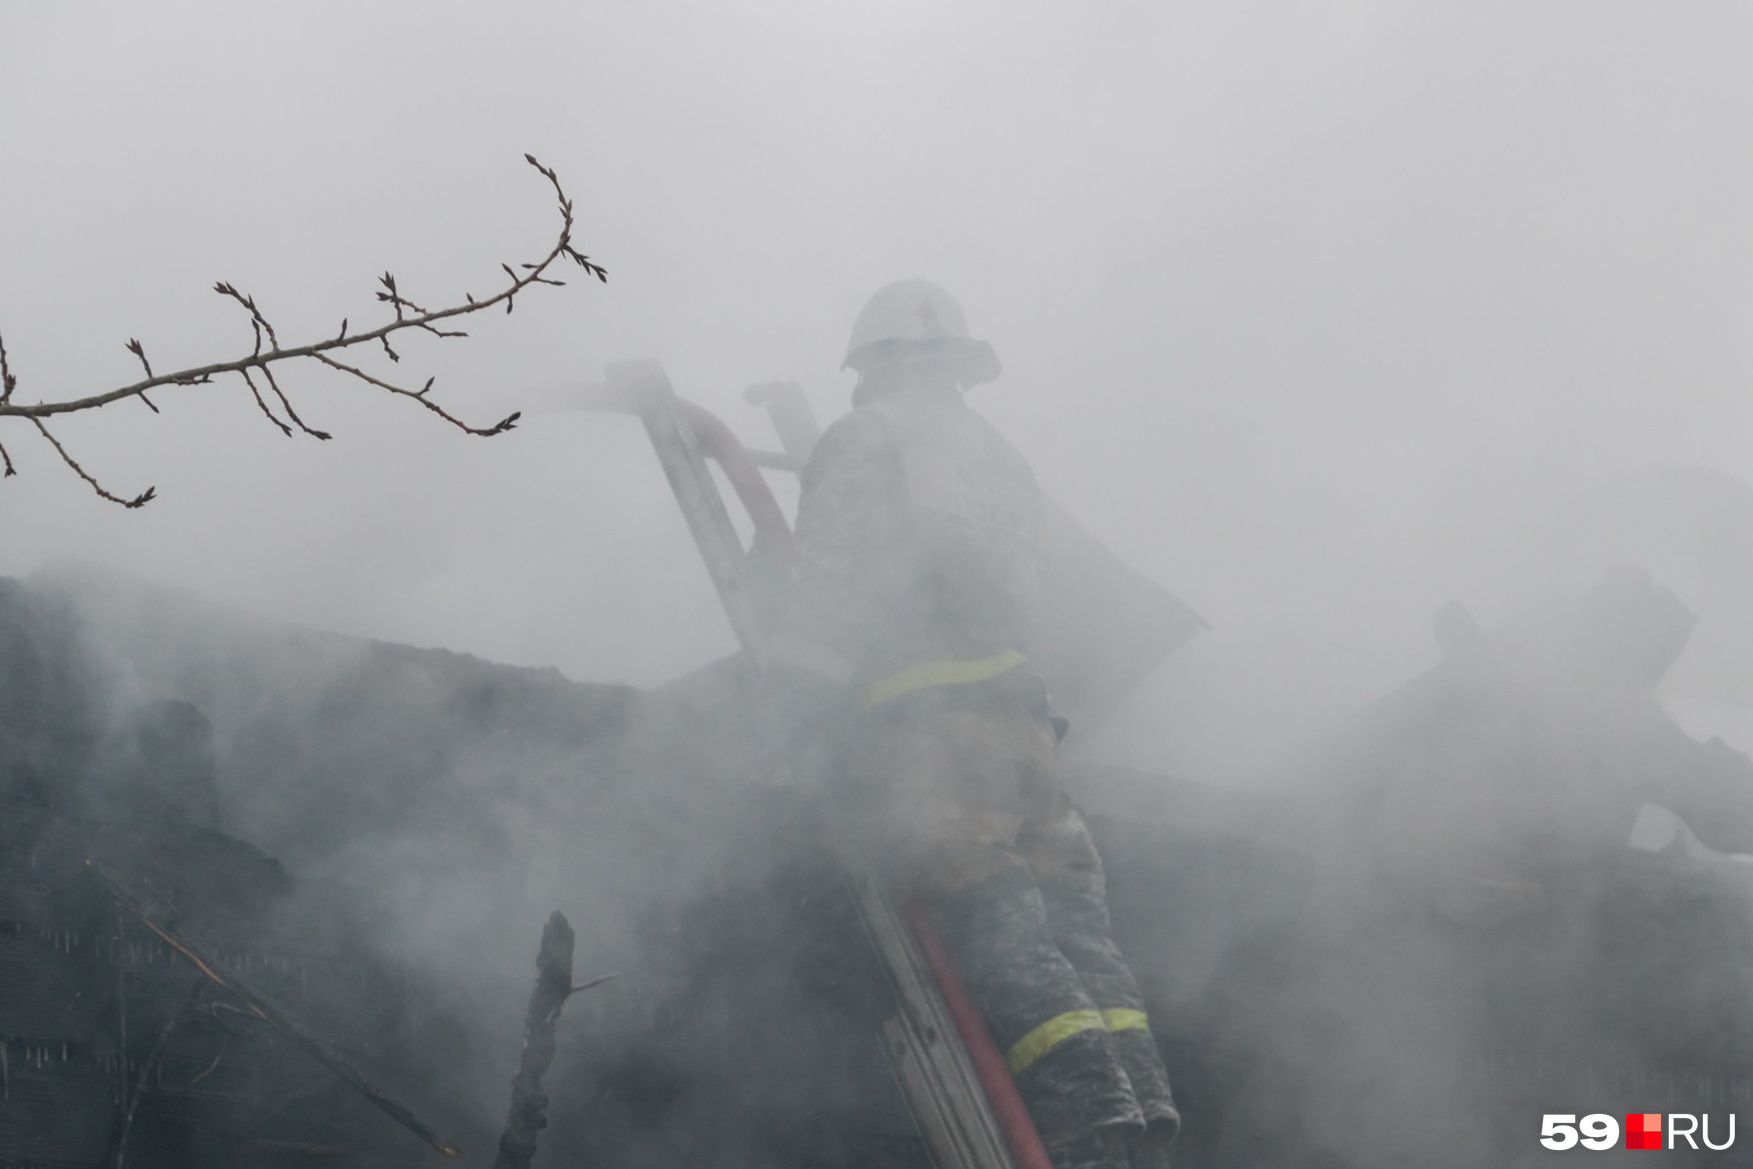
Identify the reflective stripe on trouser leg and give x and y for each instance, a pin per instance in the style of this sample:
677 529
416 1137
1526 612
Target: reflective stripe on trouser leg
1077 914
1072 1081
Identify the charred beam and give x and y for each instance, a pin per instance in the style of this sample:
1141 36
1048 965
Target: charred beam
146 909
529 1104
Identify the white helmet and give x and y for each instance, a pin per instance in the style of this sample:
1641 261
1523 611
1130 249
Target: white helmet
915 321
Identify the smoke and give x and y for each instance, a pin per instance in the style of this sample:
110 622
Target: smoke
1321 317
1298 310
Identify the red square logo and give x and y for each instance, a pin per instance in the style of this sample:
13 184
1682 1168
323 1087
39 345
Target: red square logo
1643 1130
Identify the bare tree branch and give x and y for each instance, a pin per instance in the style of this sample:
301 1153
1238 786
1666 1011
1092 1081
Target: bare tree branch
269 414
141 500
267 351
8 383
500 427
286 405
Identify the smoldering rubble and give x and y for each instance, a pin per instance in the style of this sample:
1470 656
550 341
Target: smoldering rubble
1398 946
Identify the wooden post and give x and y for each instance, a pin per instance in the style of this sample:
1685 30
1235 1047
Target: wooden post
527 1118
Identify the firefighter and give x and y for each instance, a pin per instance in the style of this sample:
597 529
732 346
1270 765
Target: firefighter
922 578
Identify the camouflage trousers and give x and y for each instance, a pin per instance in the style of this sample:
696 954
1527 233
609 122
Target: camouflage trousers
962 791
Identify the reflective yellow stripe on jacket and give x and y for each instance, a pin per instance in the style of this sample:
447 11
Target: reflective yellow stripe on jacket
1125 1019
1059 1028
939 673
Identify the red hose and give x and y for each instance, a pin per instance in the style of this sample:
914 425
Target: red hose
1007 1106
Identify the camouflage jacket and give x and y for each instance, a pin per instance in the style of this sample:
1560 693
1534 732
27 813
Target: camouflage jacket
921 536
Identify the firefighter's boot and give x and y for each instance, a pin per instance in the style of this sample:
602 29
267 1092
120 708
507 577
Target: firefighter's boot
1100 1148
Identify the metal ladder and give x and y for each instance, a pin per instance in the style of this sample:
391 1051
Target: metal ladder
926 1051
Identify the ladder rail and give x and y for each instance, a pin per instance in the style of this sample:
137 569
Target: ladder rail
924 1049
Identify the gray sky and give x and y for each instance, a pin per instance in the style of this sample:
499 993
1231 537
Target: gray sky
1307 309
